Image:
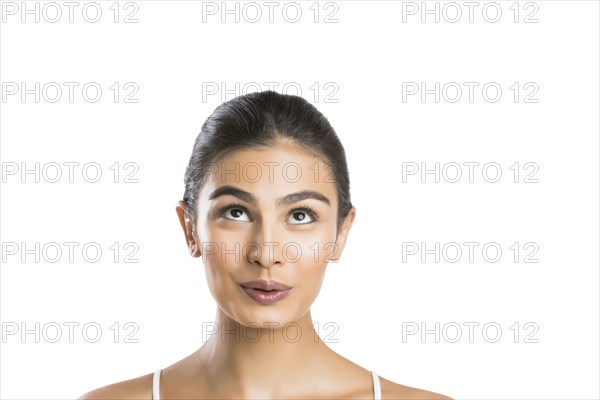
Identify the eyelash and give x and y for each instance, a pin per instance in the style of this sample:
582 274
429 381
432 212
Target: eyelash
313 215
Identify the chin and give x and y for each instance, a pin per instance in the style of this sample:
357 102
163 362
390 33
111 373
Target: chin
254 315
272 317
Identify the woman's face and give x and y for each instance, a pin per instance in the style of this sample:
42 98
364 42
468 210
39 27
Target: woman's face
267 214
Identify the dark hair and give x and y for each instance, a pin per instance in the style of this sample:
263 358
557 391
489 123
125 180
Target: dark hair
262 119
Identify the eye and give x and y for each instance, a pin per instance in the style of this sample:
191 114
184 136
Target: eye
298 216
234 212
302 216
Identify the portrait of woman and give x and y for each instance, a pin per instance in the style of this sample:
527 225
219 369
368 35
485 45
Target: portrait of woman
266 207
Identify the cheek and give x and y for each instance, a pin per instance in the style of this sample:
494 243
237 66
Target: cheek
223 259
224 247
307 253
308 258
312 250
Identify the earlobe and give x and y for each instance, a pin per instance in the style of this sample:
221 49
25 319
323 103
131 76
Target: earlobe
194 252
188 229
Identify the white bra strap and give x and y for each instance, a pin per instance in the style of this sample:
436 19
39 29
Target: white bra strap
376 386
156 386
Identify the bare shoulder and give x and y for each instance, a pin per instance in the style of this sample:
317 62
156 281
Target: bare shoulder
139 388
392 390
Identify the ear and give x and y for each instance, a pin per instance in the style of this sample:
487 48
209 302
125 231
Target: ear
340 241
189 230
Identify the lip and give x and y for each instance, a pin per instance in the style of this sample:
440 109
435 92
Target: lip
265 292
265 285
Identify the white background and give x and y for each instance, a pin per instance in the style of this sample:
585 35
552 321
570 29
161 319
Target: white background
175 51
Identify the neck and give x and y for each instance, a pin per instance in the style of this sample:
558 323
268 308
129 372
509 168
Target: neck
265 362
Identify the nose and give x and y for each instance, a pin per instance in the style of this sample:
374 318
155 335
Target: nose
264 249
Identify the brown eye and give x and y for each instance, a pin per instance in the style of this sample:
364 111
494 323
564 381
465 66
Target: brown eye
302 216
234 213
299 216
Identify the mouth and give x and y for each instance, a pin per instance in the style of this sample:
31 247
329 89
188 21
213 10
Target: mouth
265 285
265 292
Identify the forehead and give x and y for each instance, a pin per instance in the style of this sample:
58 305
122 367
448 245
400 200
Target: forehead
272 172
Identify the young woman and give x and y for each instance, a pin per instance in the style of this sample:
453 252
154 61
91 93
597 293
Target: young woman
266 207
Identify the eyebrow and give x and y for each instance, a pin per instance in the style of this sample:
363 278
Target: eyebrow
282 201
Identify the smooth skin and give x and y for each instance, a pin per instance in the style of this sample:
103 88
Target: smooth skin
265 362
